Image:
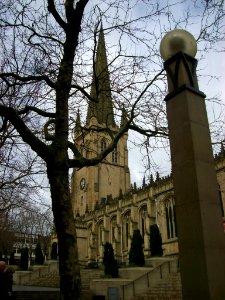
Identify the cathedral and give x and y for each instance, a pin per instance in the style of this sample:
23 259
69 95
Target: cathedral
106 207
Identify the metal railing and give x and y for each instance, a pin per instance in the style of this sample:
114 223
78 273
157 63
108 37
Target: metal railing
148 279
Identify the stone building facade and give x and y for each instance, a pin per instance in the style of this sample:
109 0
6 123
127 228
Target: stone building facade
106 208
115 219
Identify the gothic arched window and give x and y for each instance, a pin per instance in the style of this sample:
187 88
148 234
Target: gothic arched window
113 229
142 220
114 155
171 224
89 230
221 201
127 228
103 145
100 233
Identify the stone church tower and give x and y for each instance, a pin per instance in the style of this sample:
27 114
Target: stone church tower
96 185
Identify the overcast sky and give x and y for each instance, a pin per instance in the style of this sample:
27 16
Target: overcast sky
211 64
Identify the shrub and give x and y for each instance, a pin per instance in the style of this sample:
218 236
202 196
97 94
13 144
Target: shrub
39 257
155 241
12 259
136 254
24 259
92 265
54 251
110 263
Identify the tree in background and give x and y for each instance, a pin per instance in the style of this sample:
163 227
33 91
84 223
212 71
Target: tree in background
155 241
47 53
136 254
18 186
24 259
111 267
7 236
32 223
39 257
21 171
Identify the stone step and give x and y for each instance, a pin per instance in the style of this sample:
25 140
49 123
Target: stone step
46 295
52 279
37 295
47 280
159 297
168 288
89 274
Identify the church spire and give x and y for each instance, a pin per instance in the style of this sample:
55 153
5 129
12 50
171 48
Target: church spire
102 109
77 124
123 119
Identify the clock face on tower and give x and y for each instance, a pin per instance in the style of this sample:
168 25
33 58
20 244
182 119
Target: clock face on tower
82 183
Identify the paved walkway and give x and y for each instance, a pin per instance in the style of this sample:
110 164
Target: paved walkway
32 288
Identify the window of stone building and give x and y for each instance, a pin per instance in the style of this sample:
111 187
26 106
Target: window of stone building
114 155
171 225
167 223
85 149
127 233
113 229
221 201
142 220
127 228
100 233
90 235
142 227
82 149
103 145
175 220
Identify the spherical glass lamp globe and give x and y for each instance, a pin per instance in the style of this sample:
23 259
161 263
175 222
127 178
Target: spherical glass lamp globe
175 41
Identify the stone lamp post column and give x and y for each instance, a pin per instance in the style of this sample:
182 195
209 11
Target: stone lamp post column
199 218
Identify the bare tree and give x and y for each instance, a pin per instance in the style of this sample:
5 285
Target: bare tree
7 236
32 224
21 170
48 50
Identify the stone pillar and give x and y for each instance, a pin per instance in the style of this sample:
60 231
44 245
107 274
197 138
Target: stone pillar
117 240
106 227
92 244
134 219
199 219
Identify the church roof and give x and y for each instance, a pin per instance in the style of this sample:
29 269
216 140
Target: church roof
102 107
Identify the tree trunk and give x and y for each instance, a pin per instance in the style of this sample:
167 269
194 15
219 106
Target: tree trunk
69 270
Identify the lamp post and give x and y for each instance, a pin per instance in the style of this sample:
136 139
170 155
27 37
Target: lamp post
199 219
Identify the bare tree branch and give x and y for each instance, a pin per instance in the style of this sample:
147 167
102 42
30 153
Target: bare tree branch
28 108
53 11
26 134
28 79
